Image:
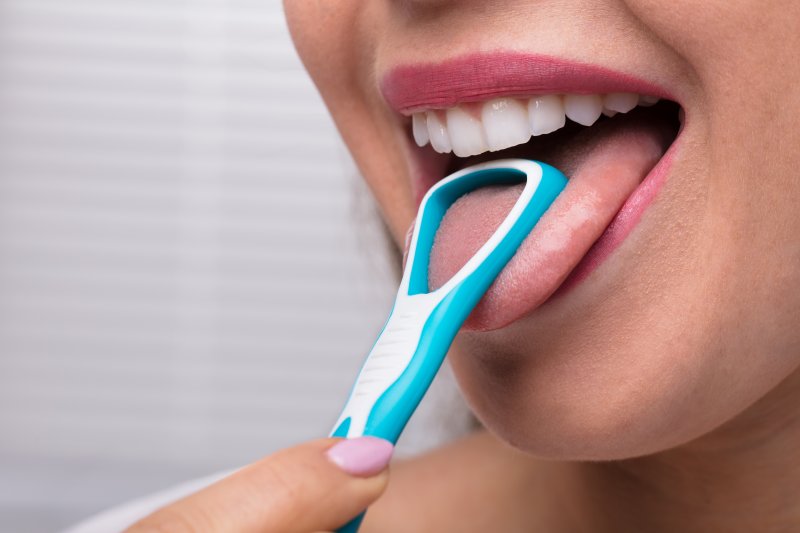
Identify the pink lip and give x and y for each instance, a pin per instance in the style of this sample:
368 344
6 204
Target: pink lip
623 223
482 76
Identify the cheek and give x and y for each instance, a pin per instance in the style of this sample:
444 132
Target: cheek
743 52
743 55
324 39
336 41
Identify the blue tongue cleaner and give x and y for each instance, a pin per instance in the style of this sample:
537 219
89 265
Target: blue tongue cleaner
423 323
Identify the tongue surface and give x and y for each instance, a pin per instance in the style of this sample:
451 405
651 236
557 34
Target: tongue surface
604 163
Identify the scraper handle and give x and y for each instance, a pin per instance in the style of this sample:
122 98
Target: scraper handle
423 324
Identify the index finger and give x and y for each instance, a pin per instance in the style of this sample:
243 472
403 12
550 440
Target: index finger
317 486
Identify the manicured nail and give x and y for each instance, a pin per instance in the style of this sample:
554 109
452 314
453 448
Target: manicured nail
362 456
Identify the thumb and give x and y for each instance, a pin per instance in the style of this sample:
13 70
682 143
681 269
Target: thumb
319 485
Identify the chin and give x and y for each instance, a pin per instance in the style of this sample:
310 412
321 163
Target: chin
564 421
577 395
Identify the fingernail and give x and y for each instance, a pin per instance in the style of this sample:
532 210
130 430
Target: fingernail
362 456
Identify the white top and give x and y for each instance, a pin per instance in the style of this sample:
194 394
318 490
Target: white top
119 518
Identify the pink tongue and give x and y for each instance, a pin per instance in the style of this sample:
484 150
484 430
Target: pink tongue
604 167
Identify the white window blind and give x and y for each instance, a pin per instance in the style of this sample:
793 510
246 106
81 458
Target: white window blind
181 285
190 275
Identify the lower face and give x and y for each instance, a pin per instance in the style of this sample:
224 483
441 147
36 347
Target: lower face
658 298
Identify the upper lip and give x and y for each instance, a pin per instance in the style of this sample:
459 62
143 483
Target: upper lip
482 76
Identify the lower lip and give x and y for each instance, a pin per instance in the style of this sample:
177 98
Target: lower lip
628 217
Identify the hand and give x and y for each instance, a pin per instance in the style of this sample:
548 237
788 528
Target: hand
317 486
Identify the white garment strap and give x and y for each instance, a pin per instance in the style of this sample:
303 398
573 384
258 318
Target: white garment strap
119 518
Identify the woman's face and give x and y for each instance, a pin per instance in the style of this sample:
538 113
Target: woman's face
685 309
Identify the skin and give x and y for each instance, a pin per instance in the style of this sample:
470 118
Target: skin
693 319
296 490
661 393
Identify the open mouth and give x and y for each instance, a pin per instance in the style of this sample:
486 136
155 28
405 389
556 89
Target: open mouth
564 141
615 148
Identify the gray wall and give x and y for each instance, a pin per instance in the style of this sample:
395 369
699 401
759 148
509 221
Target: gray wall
190 273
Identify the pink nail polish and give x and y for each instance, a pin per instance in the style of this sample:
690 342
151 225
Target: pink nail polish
362 456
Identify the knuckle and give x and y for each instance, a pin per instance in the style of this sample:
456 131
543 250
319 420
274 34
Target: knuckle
285 484
285 481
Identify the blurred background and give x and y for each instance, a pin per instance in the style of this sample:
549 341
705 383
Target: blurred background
190 270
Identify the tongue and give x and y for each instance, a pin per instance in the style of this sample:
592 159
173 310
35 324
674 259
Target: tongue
605 163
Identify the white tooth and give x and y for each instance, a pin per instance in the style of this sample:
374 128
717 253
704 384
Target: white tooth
546 114
620 102
466 133
419 125
505 121
609 112
437 131
647 101
583 108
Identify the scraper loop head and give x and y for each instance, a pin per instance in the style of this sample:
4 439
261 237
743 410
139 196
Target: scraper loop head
542 184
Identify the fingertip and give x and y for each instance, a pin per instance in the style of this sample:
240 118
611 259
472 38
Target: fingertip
361 456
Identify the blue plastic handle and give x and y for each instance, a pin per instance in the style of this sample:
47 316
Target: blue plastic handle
423 324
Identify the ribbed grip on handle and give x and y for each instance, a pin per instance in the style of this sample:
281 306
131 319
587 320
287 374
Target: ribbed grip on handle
386 362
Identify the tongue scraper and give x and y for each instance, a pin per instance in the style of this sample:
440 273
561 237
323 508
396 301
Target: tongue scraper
423 323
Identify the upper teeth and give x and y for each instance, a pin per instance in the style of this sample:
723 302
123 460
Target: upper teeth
471 129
